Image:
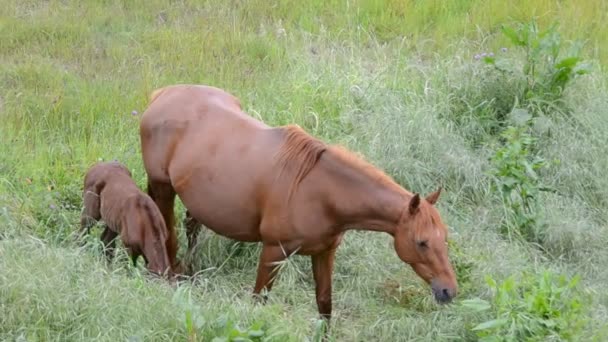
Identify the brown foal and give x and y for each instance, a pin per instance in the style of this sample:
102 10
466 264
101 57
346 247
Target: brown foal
110 195
251 182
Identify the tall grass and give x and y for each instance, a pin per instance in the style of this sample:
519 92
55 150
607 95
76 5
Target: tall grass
394 80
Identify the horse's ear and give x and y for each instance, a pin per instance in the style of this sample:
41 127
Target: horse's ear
433 197
414 204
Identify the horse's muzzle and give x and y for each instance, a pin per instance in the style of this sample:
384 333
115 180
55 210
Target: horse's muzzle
443 294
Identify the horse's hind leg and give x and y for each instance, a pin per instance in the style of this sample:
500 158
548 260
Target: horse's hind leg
192 230
193 227
163 195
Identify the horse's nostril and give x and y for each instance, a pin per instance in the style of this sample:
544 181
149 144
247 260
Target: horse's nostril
445 293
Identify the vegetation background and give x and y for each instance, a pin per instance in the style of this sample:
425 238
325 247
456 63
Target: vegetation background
511 120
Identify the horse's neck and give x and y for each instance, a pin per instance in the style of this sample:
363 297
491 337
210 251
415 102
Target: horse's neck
361 201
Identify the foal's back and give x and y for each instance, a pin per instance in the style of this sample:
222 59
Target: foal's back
128 212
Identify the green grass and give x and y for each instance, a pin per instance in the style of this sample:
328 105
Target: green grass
382 77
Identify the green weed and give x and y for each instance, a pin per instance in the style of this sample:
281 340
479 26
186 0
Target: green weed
532 308
515 171
546 68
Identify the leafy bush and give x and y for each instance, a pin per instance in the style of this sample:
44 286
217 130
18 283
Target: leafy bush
514 171
535 308
232 333
533 76
225 329
463 266
193 315
482 97
546 70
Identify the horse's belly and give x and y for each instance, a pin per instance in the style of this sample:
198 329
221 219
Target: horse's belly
224 217
219 179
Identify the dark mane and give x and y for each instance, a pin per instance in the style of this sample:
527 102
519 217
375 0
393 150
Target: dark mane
298 155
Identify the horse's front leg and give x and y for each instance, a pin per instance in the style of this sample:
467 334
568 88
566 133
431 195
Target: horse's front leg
322 268
267 268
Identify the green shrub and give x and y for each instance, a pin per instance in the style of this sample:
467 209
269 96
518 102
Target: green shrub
533 76
464 265
545 68
481 99
514 170
533 308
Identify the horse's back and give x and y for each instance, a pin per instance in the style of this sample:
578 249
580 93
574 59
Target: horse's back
217 158
183 120
188 103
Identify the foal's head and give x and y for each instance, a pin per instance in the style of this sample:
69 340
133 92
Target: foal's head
421 241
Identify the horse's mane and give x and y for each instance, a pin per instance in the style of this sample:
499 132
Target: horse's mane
301 152
359 163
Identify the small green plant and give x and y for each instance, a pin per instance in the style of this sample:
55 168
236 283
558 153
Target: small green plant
515 174
533 78
537 307
231 332
463 265
546 69
192 314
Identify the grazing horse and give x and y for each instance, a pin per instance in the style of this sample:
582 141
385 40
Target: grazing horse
280 186
110 195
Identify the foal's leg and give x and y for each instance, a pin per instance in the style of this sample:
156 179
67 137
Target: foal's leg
108 237
134 257
163 195
266 270
90 214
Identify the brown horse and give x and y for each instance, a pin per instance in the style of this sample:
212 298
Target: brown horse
278 185
110 195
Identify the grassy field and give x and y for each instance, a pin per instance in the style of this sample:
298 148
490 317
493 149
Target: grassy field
401 82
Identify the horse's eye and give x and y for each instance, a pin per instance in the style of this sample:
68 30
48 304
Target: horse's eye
422 244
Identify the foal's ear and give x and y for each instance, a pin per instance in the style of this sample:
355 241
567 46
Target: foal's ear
414 204
433 197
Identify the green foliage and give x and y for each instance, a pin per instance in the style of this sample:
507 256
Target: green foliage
231 332
515 170
482 100
546 68
463 266
224 328
533 76
536 307
192 313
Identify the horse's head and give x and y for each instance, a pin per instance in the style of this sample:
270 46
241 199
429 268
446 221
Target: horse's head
420 241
